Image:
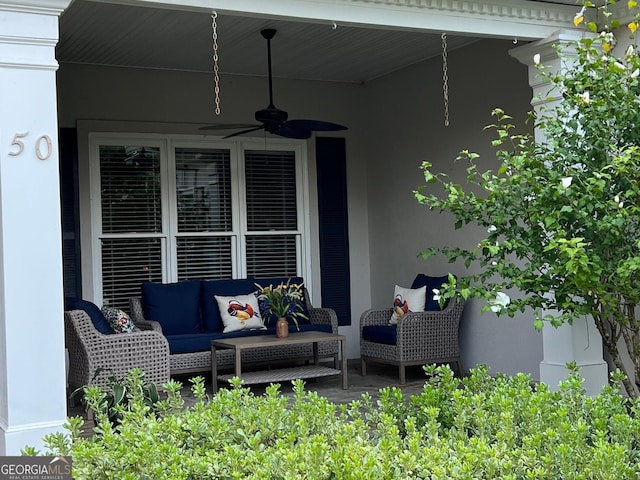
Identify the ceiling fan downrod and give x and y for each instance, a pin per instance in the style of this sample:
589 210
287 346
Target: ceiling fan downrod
271 113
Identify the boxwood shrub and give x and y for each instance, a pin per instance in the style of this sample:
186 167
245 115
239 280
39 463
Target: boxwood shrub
479 427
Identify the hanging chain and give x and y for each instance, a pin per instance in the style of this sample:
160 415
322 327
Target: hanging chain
216 76
445 79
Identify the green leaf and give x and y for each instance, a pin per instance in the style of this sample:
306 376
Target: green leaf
118 394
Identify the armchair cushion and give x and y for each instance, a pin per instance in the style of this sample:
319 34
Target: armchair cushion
406 300
176 306
386 334
97 318
430 283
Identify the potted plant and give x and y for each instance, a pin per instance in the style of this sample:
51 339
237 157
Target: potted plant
285 302
118 396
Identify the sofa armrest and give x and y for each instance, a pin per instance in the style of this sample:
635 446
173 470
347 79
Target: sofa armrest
321 316
137 316
324 316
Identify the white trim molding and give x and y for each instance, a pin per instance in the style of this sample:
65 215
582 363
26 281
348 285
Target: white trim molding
522 19
51 7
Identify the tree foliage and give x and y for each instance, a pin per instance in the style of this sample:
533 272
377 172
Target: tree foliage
562 214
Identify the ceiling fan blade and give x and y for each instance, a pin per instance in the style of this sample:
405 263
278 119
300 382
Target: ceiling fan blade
316 125
287 130
248 130
228 126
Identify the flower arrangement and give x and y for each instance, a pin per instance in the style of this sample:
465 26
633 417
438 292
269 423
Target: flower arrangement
282 301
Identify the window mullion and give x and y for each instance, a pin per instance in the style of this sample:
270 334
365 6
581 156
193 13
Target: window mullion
170 221
240 209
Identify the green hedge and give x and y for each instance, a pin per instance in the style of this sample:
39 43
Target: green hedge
479 427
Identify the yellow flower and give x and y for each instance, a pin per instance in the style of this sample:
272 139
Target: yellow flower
633 26
579 18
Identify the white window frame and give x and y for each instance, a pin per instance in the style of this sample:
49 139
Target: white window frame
167 144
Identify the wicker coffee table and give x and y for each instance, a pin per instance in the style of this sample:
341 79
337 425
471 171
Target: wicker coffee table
278 374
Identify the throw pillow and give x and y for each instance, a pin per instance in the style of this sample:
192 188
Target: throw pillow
431 283
210 288
239 312
120 322
406 300
97 318
176 306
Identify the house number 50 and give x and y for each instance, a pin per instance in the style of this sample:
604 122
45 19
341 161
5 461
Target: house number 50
43 145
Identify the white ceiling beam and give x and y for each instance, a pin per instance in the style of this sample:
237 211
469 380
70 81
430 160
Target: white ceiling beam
521 19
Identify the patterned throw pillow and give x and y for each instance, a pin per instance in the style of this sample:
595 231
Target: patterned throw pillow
239 312
118 320
406 300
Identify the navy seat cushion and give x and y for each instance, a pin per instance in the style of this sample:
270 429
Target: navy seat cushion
270 320
212 321
381 334
176 306
202 341
431 283
95 314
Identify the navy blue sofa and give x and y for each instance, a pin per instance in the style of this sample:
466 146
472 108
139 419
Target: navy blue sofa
187 314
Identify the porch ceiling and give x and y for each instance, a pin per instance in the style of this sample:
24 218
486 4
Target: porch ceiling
117 33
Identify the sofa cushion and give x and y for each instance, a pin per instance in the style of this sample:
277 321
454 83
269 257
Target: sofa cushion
176 306
97 318
212 321
406 300
239 312
119 321
423 280
380 334
201 342
270 320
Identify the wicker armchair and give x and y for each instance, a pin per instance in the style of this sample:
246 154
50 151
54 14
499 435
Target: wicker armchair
118 353
418 339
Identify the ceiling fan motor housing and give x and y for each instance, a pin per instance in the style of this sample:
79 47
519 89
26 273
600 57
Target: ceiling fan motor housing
271 114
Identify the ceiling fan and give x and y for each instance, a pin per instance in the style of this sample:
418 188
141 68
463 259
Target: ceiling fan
274 120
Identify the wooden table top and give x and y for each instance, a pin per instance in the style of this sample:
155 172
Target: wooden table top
271 340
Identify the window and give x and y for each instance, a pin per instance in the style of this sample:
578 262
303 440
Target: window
272 217
173 208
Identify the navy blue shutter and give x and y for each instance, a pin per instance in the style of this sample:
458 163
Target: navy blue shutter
68 145
331 169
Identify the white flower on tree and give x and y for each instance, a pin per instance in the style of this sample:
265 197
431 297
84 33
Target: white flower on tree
500 302
436 295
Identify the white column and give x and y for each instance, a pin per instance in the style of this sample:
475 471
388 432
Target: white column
32 357
579 342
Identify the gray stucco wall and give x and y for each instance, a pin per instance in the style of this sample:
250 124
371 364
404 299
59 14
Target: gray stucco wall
395 123
407 128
